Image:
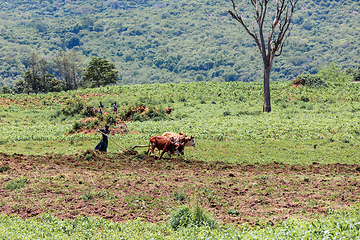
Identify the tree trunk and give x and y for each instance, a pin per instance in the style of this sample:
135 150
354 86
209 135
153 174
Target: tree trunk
267 105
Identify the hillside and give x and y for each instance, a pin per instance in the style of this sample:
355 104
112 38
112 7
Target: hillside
173 41
292 172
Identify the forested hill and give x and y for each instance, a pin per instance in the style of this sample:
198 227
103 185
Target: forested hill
174 40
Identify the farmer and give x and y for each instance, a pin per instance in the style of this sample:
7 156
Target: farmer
102 146
100 111
115 108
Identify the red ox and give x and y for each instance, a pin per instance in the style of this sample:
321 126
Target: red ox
181 137
165 144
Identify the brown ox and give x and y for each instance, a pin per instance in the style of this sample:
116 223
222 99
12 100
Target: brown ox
181 137
165 144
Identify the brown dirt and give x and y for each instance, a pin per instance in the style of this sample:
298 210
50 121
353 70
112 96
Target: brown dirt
125 186
119 128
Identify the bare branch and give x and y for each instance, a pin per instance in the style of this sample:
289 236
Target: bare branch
279 27
238 18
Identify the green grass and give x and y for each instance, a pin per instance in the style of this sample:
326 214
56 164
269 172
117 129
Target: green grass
253 151
337 225
306 126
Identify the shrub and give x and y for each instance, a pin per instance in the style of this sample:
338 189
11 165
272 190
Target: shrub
92 124
156 114
186 217
152 113
334 74
138 117
110 119
316 82
356 76
5 90
312 81
72 107
77 125
304 98
242 99
89 111
181 218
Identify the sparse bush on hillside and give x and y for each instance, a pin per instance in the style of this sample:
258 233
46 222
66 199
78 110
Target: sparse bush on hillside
92 124
77 125
310 81
139 112
89 111
334 74
5 90
72 107
110 119
355 73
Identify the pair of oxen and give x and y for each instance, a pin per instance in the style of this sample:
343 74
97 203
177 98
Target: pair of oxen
171 143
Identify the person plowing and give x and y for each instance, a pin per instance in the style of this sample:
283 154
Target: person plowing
103 144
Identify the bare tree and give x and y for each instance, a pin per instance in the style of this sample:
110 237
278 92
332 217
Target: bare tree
273 45
69 68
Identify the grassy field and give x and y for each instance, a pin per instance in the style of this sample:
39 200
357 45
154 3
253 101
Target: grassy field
259 175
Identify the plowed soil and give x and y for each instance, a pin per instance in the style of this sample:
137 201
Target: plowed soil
122 187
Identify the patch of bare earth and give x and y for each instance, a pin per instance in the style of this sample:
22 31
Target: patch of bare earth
123 187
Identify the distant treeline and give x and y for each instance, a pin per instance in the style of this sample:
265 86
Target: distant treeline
173 41
64 72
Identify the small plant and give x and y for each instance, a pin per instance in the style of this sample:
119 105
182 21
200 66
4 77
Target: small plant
186 217
110 119
179 196
4 167
304 98
182 99
242 99
102 194
77 125
92 124
226 113
16 184
88 157
87 196
233 211
208 193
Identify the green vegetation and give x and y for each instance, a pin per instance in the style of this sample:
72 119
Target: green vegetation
337 225
184 217
310 124
16 184
173 41
99 72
